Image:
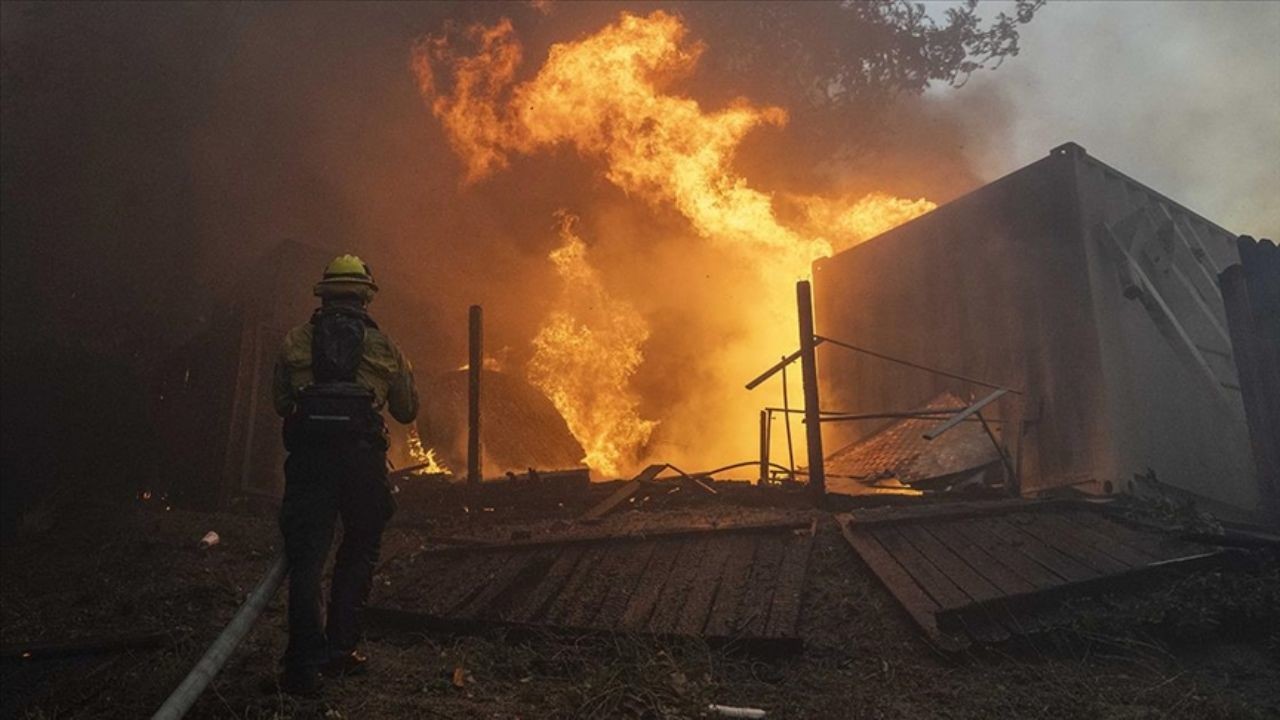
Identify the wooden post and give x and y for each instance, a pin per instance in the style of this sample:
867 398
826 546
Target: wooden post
809 377
475 364
764 447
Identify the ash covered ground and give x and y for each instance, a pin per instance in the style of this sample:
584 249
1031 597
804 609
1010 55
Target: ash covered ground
1204 645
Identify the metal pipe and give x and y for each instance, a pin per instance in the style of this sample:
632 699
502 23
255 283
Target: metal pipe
220 651
959 417
809 381
786 416
776 409
778 366
475 365
889 416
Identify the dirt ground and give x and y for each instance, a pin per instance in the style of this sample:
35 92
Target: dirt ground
1205 645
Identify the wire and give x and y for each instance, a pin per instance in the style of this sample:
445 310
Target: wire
918 366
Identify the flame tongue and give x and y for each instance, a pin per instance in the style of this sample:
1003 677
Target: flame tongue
604 95
607 96
424 456
584 357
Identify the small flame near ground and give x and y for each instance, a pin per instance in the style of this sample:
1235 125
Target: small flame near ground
423 455
608 96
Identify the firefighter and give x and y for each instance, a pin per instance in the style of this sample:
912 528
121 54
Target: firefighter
333 377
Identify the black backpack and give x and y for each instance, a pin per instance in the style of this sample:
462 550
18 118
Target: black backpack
335 409
337 344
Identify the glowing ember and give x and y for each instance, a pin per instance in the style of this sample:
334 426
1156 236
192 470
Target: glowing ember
584 356
424 456
608 97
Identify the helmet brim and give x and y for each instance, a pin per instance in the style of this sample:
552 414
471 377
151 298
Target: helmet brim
364 290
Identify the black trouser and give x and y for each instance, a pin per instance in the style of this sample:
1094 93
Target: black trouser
322 484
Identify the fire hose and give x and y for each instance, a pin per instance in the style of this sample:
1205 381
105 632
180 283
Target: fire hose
219 652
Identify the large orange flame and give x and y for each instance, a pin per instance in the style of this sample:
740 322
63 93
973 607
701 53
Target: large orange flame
584 356
608 97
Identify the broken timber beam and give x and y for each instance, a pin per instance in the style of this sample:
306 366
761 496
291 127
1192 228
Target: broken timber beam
415 621
959 510
952 619
775 526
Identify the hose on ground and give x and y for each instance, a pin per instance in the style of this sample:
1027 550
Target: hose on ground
182 698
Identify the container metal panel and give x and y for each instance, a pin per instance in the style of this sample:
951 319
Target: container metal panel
1094 294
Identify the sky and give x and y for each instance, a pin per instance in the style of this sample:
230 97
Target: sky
1182 96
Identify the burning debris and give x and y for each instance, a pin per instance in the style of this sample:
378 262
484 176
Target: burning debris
584 357
610 97
1116 335
425 458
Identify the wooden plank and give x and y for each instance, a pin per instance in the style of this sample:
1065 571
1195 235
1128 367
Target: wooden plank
580 588
462 582
953 511
957 570
1064 566
1068 542
753 611
980 627
1127 580
381 620
919 606
784 612
935 582
611 503
980 560
614 604
733 586
500 580
1100 554
532 607
1134 557
684 577
634 536
980 532
616 566
649 588
422 565
1152 544
498 600
697 603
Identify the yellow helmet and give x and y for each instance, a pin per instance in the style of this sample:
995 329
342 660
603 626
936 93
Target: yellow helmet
347 275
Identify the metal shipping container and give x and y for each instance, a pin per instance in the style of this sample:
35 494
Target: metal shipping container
1096 296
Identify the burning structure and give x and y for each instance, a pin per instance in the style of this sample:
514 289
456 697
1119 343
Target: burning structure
1095 296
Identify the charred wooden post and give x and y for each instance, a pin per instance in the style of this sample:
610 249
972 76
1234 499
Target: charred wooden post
809 377
475 363
764 447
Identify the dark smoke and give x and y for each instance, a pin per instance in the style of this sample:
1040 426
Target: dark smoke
154 152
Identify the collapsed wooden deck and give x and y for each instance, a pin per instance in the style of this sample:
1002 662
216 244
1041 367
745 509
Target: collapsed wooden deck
977 571
740 582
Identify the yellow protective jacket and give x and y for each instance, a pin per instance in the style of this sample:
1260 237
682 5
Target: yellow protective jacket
383 369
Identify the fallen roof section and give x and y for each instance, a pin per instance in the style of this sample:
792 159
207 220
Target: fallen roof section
738 582
901 452
978 572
